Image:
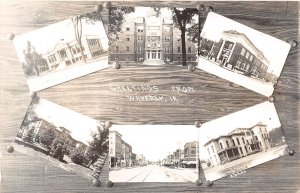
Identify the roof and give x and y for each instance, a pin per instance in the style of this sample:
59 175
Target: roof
237 131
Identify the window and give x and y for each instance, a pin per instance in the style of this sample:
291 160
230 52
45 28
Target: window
189 59
233 142
52 58
247 55
221 145
243 51
93 42
167 49
243 140
167 38
117 48
243 65
178 49
127 48
140 37
166 28
192 151
238 63
127 39
238 141
189 50
256 138
246 149
227 143
178 58
251 58
127 28
212 149
208 151
158 55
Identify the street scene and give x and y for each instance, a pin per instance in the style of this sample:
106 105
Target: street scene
63 51
241 54
47 132
136 157
243 140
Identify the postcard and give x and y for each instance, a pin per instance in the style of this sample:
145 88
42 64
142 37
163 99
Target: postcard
241 54
153 153
63 51
63 138
148 36
241 140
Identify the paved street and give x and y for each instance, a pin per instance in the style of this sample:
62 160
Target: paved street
153 173
230 168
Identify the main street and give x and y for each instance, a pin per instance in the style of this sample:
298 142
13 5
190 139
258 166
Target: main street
153 173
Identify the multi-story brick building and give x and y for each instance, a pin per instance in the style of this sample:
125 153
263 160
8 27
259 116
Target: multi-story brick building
150 40
115 148
235 51
239 143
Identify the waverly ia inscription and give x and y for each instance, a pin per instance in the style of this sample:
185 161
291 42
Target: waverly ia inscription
148 93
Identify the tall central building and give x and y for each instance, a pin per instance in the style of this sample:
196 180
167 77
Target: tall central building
150 40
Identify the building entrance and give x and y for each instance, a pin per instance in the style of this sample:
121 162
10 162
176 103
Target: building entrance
153 55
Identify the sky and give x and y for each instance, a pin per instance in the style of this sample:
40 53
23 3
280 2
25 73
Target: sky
156 142
275 50
264 112
81 126
46 38
149 11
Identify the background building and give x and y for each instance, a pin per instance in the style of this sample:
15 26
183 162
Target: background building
150 40
115 148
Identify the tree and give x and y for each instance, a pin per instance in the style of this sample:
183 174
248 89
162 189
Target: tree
46 137
77 24
29 135
99 143
77 157
58 149
34 62
116 20
181 18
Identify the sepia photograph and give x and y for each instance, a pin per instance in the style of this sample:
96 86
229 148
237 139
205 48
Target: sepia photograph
241 54
63 138
153 153
241 140
152 36
63 51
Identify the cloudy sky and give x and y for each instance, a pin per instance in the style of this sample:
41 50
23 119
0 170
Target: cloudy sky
46 38
264 112
81 126
275 50
156 142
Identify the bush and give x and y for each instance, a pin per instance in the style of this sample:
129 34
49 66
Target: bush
78 157
58 149
46 137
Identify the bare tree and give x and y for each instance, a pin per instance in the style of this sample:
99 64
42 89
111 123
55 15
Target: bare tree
77 23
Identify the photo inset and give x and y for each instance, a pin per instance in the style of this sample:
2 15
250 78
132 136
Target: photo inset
241 54
236 142
63 51
151 36
153 153
63 138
